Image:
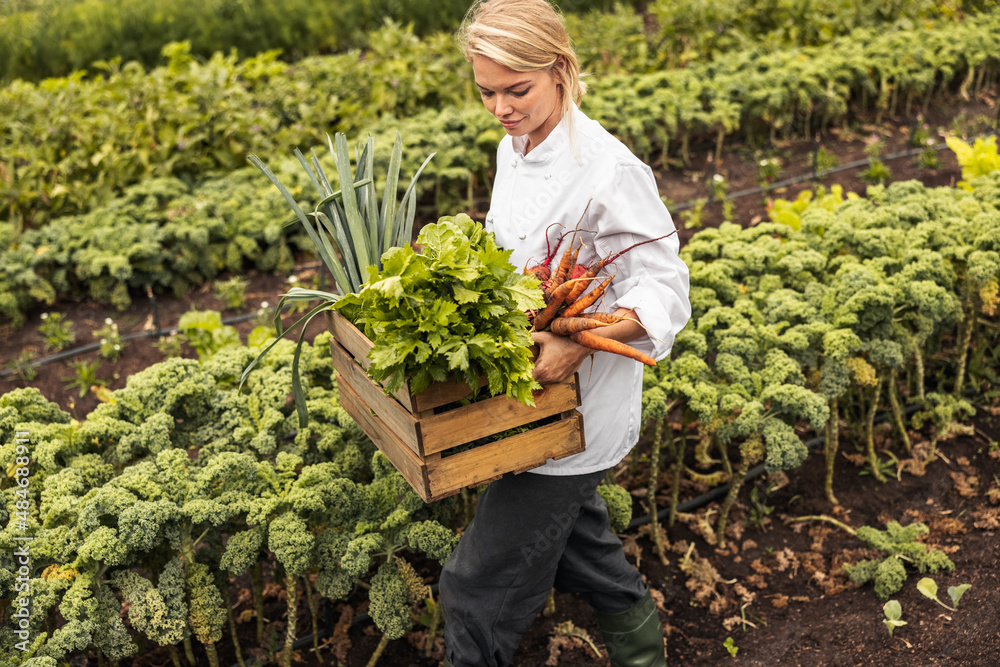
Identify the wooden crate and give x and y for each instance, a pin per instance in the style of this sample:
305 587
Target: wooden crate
417 435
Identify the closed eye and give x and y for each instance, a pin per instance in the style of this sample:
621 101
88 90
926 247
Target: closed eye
519 94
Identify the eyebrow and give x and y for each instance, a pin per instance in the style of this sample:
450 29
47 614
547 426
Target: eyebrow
520 83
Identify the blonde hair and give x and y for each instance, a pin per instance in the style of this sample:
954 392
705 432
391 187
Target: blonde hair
525 36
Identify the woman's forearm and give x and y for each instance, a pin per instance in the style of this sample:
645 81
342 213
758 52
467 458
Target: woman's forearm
628 329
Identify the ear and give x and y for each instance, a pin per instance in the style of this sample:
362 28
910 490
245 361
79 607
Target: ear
560 64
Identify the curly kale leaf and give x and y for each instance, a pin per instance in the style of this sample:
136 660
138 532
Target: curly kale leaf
390 602
292 543
619 503
206 610
431 538
148 611
242 550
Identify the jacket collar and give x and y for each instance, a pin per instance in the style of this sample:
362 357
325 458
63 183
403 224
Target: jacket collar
550 145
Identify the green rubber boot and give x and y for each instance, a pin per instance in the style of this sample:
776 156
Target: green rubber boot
634 638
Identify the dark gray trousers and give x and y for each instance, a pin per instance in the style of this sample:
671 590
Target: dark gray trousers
530 533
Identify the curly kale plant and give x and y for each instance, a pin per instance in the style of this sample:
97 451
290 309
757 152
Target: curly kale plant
901 547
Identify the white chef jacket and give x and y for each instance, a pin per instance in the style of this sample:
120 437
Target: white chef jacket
554 184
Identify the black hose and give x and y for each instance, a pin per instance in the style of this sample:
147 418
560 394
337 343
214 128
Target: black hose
83 349
752 474
710 495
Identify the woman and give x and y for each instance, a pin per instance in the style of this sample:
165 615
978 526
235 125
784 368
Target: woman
549 528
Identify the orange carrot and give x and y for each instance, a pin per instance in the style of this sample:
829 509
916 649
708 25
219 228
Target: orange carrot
566 263
595 342
587 300
585 279
554 303
607 318
566 326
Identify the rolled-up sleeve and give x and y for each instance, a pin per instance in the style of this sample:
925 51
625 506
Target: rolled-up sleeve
650 279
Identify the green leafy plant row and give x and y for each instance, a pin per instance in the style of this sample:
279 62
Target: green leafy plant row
160 233
176 485
688 31
798 92
72 144
819 322
56 38
171 236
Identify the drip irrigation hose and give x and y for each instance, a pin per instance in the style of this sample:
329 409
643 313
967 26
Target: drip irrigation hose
156 332
752 474
153 333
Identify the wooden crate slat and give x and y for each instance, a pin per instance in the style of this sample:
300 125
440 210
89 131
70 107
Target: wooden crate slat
487 417
395 416
357 345
406 462
350 337
442 393
515 454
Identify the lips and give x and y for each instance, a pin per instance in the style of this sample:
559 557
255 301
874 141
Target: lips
510 124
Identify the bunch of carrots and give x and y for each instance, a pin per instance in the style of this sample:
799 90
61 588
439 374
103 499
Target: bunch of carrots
567 298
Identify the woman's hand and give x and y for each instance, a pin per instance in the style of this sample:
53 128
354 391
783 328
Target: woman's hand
558 357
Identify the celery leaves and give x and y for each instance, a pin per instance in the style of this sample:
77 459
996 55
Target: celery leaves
454 310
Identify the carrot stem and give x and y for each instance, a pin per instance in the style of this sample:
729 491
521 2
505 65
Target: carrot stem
550 251
597 266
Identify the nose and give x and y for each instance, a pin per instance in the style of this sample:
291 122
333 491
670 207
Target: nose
503 107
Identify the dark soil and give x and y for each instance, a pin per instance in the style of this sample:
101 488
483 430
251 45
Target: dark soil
140 320
777 590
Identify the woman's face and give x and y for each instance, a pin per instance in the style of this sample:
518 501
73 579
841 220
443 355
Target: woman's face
526 103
